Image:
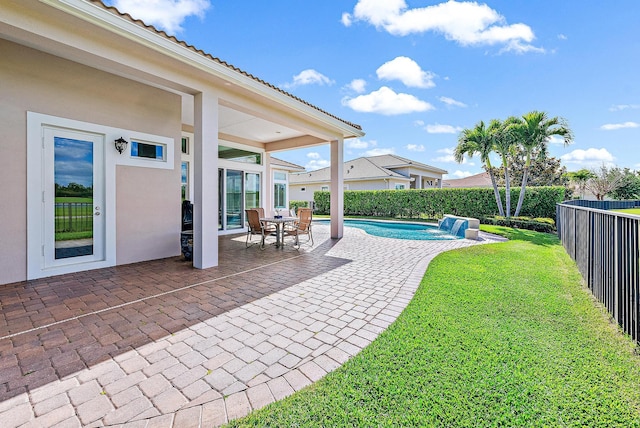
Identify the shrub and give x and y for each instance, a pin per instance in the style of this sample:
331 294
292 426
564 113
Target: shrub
539 224
434 203
298 204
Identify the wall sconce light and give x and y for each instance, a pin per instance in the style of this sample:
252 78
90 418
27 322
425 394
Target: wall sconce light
121 144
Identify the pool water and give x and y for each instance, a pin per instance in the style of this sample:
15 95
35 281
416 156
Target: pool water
413 231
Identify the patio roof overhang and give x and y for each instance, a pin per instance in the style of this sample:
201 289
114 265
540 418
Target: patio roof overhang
251 110
248 110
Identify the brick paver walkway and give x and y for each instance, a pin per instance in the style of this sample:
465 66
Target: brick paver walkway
159 344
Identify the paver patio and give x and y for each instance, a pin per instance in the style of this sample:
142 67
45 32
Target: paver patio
160 344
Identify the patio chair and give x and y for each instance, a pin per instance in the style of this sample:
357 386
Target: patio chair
302 226
256 227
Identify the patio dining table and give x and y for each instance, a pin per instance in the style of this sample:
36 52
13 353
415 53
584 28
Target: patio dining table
279 222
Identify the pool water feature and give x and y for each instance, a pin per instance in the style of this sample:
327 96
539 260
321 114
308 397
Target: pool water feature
454 225
399 230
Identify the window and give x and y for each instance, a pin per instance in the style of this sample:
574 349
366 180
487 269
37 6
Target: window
303 189
239 155
147 150
279 190
399 186
252 190
185 180
279 195
325 188
185 145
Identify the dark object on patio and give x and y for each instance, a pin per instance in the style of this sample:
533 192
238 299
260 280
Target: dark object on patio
187 215
257 227
186 244
302 226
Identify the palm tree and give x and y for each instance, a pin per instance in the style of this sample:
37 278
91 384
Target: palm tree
478 140
534 131
504 140
581 177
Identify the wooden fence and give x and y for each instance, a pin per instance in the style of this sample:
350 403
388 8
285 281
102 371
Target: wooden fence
605 246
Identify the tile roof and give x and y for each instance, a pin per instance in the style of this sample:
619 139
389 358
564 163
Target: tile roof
364 168
395 161
162 33
478 180
286 165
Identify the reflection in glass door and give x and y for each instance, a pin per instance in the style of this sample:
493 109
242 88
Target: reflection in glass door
234 192
252 190
73 197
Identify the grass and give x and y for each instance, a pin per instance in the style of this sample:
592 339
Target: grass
496 335
634 211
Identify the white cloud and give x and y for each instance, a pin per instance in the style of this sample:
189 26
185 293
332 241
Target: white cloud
562 37
419 123
314 164
442 129
451 102
448 157
164 14
313 155
588 158
407 71
378 152
357 85
359 144
415 147
614 126
556 140
309 77
619 107
346 19
467 23
385 101
458 174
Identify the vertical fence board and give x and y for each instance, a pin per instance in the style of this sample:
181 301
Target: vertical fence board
606 248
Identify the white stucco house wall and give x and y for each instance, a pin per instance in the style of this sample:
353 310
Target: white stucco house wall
369 173
77 76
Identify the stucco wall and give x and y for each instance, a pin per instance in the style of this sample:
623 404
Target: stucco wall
148 200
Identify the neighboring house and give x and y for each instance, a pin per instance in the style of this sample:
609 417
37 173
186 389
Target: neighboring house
369 173
280 171
478 180
95 100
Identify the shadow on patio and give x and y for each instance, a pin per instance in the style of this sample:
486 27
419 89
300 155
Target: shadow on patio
54 327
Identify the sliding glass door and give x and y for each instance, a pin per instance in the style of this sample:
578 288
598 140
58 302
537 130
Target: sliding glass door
234 196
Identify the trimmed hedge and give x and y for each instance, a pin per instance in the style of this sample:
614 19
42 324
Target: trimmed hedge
434 203
298 204
546 225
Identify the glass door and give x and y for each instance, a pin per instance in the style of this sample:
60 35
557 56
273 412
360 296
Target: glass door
234 197
73 197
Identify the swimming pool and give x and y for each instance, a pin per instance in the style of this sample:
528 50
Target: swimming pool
397 230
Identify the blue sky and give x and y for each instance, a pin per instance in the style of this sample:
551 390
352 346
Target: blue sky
414 73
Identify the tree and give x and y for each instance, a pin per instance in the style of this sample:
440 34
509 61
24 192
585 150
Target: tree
604 181
580 178
479 140
533 132
504 141
543 171
629 187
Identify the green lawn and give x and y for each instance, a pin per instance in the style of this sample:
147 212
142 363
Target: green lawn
635 211
496 335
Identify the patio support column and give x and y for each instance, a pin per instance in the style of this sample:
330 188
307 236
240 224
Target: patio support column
337 188
205 204
268 184
419 183
440 182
